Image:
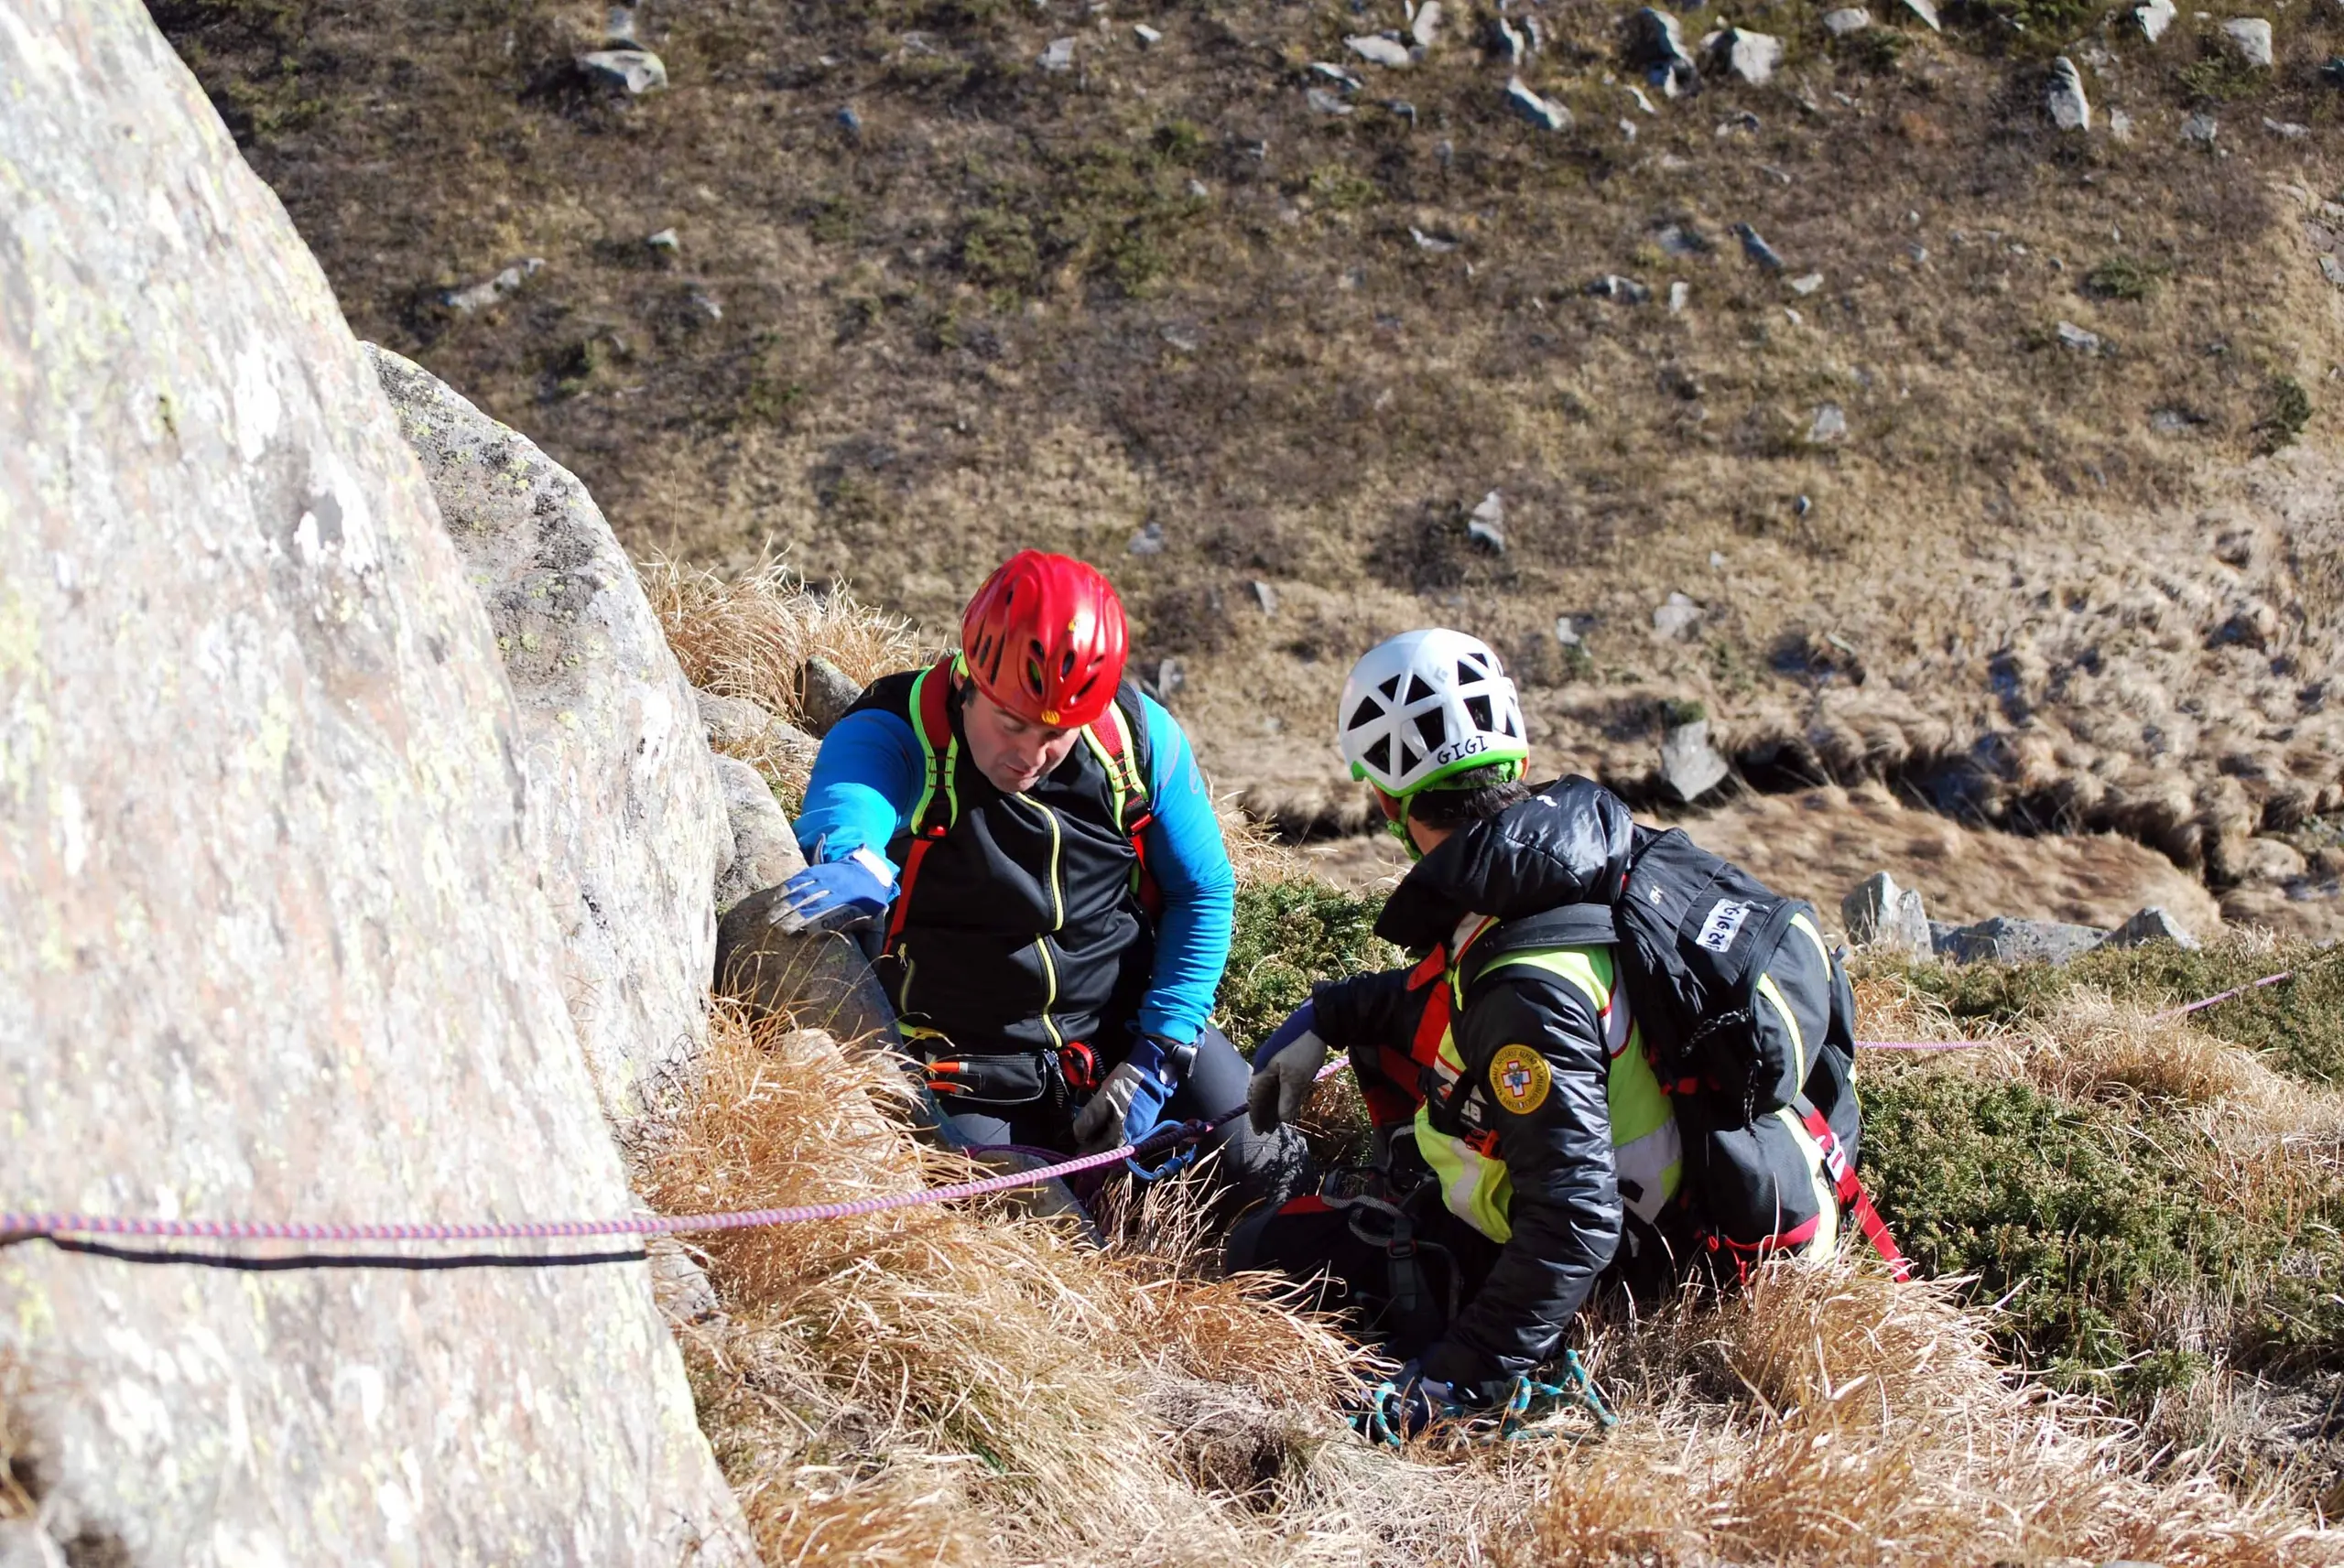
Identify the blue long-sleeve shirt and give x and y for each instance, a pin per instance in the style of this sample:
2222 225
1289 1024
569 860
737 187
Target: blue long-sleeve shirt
867 780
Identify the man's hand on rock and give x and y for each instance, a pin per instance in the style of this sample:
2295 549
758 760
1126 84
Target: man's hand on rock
836 896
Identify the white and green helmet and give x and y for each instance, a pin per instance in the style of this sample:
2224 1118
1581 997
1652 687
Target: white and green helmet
1425 706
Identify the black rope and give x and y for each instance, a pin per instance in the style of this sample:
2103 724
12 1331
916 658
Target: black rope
344 1259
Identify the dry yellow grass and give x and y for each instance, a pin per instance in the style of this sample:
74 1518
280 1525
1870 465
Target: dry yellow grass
968 1386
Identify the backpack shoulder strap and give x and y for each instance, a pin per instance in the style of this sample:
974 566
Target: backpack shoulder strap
1119 738
931 716
939 806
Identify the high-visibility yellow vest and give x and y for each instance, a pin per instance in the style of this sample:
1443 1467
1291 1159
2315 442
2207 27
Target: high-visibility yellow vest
1646 1150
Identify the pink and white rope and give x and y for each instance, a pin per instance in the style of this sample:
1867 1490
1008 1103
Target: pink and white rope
2170 1012
18 1226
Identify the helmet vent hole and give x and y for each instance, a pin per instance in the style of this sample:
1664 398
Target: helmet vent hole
1509 729
1379 756
1391 689
1434 731
1365 714
1468 673
1410 759
1418 690
1478 706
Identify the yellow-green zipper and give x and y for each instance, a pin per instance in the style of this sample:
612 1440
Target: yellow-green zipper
1057 920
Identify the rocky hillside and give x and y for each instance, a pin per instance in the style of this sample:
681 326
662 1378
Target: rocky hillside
1900 421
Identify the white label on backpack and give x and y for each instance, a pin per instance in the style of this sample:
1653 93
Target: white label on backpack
1717 931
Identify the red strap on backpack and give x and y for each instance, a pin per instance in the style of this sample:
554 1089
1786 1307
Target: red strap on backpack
1854 1199
1129 789
934 717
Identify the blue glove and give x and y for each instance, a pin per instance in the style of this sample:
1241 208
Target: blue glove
837 895
1128 1105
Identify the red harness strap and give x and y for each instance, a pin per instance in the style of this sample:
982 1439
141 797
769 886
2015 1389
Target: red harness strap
1131 795
1854 1199
935 721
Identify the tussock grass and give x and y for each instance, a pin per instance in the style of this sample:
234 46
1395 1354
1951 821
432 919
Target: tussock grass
1878 1426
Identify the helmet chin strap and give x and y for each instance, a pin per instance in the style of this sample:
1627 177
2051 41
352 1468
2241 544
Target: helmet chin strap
1396 821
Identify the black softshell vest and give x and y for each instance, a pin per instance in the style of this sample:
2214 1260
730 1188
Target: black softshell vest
1024 929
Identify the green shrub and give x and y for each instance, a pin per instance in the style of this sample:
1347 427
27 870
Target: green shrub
2092 1222
997 249
2125 277
1288 935
2289 410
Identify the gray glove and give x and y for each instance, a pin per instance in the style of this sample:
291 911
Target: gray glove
1285 1069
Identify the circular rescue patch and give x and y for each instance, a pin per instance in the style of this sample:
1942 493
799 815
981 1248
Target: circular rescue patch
1519 1079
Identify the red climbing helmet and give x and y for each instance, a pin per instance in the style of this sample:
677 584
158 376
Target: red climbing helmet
1045 638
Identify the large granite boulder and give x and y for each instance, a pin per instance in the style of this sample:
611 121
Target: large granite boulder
275 944
625 821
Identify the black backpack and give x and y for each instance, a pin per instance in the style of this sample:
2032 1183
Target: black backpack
1751 1023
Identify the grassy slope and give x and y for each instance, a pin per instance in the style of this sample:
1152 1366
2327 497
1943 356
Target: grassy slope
966 327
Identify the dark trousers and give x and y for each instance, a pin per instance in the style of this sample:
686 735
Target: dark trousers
1250 1168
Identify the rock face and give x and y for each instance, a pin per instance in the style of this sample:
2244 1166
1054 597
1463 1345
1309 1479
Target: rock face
825 692
2151 925
1752 56
1880 914
276 946
821 980
763 851
625 821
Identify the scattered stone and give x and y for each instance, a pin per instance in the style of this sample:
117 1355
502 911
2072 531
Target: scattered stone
1755 247
665 240
2331 269
732 721
633 71
1752 56
2151 925
818 977
1802 505
704 304
1377 49
1793 316
1543 113
1439 244
1149 37
1148 541
2154 19
1678 240
1689 766
2288 129
849 122
1509 42
1880 914
1830 424
2120 124
1326 102
1678 292
2074 337
1745 121
824 694
2250 37
1926 10
765 851
1400 108
1806 285
1426 24
1571 630
1845 20
618 29
1267 596
1627 290
1168 679
1486 525
1336 74
2002 940
1181 338
2332 72
1655 45
505 284
1058 56
2070 110
2181 421
1198 189
1676 617
2200 129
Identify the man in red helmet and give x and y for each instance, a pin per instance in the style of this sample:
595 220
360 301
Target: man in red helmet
1057 897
